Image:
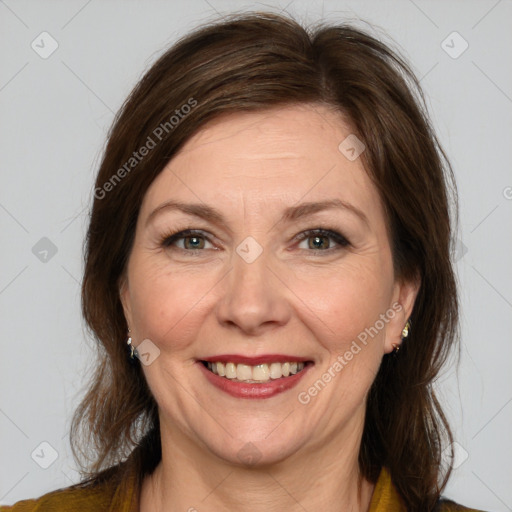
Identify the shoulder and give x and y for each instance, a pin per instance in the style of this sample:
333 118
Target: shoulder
89 495
114 489
446 505
69 499
387 499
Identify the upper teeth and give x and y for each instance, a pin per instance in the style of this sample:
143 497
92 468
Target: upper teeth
258 373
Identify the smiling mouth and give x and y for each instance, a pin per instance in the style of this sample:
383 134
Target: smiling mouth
260 373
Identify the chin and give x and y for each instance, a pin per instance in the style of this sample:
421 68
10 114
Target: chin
250 454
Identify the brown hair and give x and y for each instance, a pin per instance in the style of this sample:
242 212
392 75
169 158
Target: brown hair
252 62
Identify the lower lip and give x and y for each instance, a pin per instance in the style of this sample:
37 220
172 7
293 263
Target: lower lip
251 390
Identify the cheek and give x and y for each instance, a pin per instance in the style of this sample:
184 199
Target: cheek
166 305
344 302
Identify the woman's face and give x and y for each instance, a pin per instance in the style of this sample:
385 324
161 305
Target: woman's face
245 284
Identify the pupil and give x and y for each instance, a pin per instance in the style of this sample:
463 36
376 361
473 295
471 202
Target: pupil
316 242
194 240
194 244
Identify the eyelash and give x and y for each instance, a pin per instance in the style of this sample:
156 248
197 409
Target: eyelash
171 238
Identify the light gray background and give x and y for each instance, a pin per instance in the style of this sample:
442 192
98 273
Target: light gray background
55 114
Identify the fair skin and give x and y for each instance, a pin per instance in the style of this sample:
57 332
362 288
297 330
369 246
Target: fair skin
199 298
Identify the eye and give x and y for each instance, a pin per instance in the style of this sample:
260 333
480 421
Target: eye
317 239
193 240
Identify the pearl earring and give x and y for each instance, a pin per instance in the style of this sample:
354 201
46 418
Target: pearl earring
132 348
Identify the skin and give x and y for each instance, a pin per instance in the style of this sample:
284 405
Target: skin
295 298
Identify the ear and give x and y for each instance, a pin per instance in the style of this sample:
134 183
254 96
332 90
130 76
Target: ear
124 295
404 297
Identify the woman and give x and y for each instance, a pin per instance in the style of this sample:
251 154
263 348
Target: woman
268 274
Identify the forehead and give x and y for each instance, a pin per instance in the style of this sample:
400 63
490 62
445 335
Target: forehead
267 159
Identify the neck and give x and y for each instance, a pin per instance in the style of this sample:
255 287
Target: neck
189 478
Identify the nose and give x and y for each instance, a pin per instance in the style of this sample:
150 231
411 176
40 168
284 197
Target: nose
254 298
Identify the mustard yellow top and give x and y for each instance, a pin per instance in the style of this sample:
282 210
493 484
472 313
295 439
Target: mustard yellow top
123 496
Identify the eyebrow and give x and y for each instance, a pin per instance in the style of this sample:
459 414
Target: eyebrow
292 213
